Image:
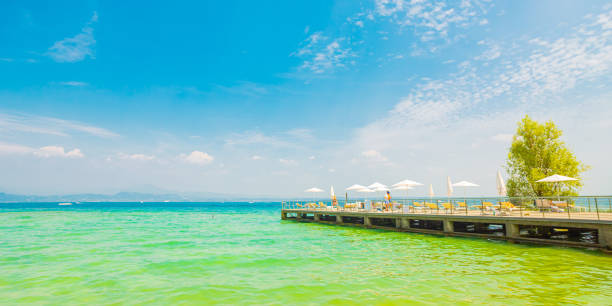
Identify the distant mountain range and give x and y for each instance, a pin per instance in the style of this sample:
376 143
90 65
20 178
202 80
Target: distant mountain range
131 197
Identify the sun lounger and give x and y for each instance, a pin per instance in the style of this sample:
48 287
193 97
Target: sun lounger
417 206
508 206
432 206
447 206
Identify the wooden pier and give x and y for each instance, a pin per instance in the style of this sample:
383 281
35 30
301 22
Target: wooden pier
546 229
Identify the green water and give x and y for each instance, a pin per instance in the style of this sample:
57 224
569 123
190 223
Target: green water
249 256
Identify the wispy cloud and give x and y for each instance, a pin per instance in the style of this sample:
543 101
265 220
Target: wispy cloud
373 155
537 72
73 83
288 162
254 138
48 125
137 157
502 137
76 48
432 20
322 54
43 152
248 89
57 151
8 148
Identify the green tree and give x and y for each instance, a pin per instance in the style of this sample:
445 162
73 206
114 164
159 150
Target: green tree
537 152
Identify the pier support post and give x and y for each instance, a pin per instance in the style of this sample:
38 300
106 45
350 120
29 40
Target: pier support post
367 221
317 217
404 223
398 222
448 226
605 236
338 219
283 215
512 230
298 216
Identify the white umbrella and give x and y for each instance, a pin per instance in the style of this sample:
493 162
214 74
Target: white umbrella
403 187
408 183
377 185
366 190
314 189
449 186
333 196
556 178
501 187
356 187
465 184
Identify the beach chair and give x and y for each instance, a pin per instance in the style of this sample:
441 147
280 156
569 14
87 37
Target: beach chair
322 205
378 206
461 206
508 206
561 205
543 204
299 205
447 206
432 206
486 207
399 206
417 206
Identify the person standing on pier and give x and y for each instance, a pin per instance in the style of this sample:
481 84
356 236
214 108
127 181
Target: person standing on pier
387 200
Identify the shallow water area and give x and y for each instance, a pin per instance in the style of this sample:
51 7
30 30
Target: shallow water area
231 253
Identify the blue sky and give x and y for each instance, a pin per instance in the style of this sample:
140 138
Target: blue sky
273 98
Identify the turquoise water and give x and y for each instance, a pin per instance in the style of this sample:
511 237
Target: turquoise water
229 253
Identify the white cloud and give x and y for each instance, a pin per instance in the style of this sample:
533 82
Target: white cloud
312 157
300 133
322 55
248 89
287 162
7 148
256 157
57 151
45 152
74 83
373 155
439 120
432 20
250 137
49 126
503 137
77 48
492 52
197 157
137 156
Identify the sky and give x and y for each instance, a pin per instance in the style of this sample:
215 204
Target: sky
274 97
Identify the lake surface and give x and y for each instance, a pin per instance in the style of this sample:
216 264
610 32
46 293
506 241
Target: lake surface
239 253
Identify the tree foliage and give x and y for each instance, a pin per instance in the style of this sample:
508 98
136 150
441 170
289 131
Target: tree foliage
537 152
